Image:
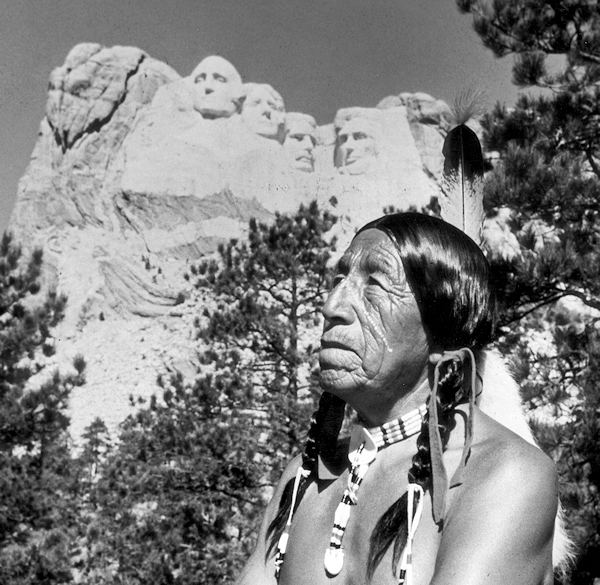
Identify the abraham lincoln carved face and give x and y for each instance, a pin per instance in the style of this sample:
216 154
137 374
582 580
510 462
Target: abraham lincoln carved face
356 147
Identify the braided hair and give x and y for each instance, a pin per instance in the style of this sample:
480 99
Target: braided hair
391 528
449 277
322 437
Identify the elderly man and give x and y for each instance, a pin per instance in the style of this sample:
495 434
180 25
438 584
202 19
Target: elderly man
405 324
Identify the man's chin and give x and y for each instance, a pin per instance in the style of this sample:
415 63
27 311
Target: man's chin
336 381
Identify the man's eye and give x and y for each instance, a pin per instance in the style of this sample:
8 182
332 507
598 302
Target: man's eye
374 281
336 280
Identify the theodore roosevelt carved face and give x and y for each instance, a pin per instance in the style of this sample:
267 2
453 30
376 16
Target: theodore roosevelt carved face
218 88
300 141
263 110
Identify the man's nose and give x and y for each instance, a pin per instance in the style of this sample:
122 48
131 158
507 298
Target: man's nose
338 306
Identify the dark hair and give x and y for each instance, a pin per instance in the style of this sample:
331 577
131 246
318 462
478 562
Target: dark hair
449 276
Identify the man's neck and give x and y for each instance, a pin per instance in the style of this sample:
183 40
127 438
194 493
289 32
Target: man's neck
373 416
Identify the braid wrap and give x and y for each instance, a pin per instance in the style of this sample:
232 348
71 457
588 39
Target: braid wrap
392 526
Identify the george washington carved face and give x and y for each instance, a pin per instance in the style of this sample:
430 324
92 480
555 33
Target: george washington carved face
218 88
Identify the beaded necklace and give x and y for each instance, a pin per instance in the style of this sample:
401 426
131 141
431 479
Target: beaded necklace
367 442
364 445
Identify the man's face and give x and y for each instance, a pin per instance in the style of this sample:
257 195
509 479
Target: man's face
263 112
300 142
218 87
373 348
357 149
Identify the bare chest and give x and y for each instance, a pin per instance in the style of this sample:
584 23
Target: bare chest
385 482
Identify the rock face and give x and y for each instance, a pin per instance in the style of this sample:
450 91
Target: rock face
137 172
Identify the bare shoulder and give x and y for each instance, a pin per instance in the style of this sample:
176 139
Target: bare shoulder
501 458
288 475
502 515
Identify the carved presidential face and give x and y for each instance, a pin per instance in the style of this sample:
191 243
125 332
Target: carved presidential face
356 147
264 111
218 88
374 348
300 141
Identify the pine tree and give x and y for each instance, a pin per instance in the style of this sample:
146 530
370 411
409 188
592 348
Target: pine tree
268 294
181 498
37 488
546 173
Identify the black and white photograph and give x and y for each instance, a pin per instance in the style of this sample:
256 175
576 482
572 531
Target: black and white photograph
300 292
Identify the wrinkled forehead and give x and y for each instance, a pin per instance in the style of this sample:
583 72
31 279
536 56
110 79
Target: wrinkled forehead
373 251
217 64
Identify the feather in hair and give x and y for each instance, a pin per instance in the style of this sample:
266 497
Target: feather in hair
461 200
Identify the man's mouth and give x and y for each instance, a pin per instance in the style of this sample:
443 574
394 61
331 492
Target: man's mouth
332 344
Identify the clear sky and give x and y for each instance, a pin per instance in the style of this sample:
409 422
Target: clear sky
319 54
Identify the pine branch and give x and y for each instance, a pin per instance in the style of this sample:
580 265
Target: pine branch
589 56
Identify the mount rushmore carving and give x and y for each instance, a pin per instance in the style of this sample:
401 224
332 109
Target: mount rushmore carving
138 172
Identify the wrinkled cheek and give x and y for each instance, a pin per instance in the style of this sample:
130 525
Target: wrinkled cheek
373 361
377 332
376 345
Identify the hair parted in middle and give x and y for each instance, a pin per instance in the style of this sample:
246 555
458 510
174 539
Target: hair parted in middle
450 278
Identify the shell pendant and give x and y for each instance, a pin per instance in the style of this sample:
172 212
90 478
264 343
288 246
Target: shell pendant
334 561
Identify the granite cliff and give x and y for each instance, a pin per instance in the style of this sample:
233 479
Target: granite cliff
138 172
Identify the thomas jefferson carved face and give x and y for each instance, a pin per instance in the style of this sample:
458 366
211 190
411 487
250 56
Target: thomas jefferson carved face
356 147
300 141
374 345
263 110
218 87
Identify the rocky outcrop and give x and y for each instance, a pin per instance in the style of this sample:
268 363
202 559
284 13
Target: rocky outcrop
138 172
